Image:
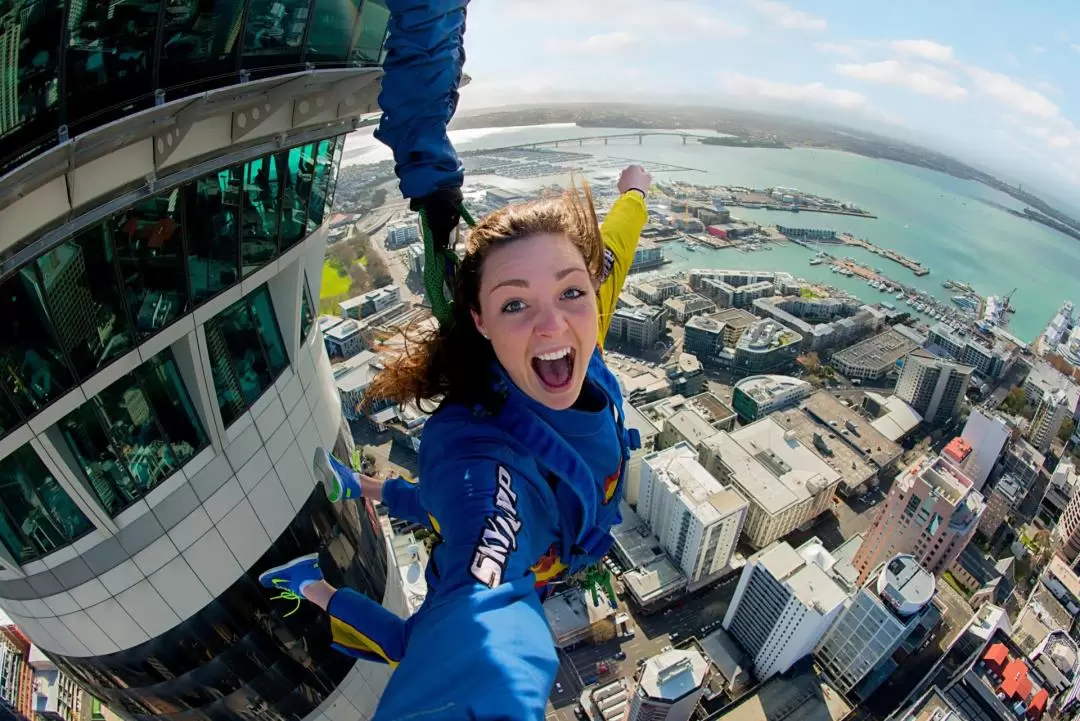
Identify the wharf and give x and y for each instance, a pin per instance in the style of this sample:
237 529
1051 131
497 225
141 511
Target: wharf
910 263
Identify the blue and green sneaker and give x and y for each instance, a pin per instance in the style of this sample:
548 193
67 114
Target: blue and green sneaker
291 578
339 480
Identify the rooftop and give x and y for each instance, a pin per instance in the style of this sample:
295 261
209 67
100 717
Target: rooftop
772 468
1008 674
653 574
1009 487
573 611
1041 615
766 387
725 654
807 572
735 317
357 372
704 496
705 323
691 425
633 418
824 441
905 585
1064 575
943 479
343 330
803 697
673 674
880 351
767 335
899 419
957 450
852 428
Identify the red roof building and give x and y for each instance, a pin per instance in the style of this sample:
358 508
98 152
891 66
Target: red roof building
957 450
996 656
1015 682
1037 707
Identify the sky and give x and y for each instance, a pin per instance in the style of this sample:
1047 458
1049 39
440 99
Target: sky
993 82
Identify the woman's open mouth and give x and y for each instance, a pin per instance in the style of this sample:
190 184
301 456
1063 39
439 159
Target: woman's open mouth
555 368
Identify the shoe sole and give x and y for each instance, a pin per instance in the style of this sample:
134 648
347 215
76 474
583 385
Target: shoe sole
271 572
324 471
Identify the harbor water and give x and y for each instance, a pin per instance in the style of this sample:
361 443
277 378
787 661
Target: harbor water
946 223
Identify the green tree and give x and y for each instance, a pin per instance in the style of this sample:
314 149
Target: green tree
1067 429
1016 401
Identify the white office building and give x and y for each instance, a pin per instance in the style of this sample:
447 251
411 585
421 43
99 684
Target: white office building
987 434
784 603
670 686
786 483
934 387
1050 413
876 621
696 518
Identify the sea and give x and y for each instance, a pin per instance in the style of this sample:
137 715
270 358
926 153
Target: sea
950 225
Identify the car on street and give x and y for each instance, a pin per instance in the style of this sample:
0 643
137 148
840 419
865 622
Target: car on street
558 687
620 655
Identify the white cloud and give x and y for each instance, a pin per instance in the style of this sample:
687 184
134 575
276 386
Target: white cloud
602 44
926 49
1008 91
1048 87
848 51
1038 49
922 79
676 20
788 17
1076 47
816 93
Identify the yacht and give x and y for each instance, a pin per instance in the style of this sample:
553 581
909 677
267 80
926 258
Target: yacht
965 301
816 261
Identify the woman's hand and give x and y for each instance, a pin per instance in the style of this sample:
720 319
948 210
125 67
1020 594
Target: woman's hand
634 177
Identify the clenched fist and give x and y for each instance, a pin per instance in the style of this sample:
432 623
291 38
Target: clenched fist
634 177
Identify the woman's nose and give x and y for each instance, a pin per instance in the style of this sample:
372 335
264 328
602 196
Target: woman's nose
550 321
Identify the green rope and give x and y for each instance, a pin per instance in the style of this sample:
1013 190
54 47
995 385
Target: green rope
436 263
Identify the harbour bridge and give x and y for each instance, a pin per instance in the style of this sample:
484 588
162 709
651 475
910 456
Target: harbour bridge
640 135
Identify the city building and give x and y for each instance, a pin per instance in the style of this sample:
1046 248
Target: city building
874 358
685 307
785 483
642 382
647 255
986 435
610 701
973 570
755 397
574 618
784 602
165 387
414 254
931 512
766 346
1067 532
1024 462
1001 501
647 432
684 426
639 327
344 339
1059 492
656 290
824 323
696 518
800 696
1050 413
1044 379
879 627
370 303
652 579
16 673
55 695
934 387
352 378
401 235
740 288
669 687
843 439
991 359
893 418
704 337
706 405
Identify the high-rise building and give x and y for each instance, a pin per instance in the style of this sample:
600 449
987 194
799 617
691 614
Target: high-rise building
16 674
1067 531
639 327
859 651
934 387
757 396
785 601
1050 413
669 686
986 435
163 386
931 513
696 518
765 347
785 482
1059 492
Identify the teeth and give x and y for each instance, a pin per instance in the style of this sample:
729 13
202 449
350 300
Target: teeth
554 355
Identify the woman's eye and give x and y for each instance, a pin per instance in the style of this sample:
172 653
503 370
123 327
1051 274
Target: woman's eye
513 306
572 293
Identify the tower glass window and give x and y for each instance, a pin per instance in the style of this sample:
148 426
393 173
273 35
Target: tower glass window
79 282
135 433
307 310
149 249
36 515
275 30
335 166
246 352
324 155
331 31
262 203
199 42
33 367
371 32
212 214
299 168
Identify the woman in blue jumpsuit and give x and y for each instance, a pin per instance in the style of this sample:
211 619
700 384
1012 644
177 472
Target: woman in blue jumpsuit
521 466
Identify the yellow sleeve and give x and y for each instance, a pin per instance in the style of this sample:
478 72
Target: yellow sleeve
621 229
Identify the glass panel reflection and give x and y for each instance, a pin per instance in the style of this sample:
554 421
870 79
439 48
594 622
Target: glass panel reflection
212 214
335 166
78 280
32 366
299 165
9 417
324 155
149 249
371 32
275 28
108 57
307 311
331 31
30 35
262 203
200 40
36 515
240 657
135 433
246 352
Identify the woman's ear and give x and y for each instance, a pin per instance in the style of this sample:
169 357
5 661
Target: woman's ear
479 323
